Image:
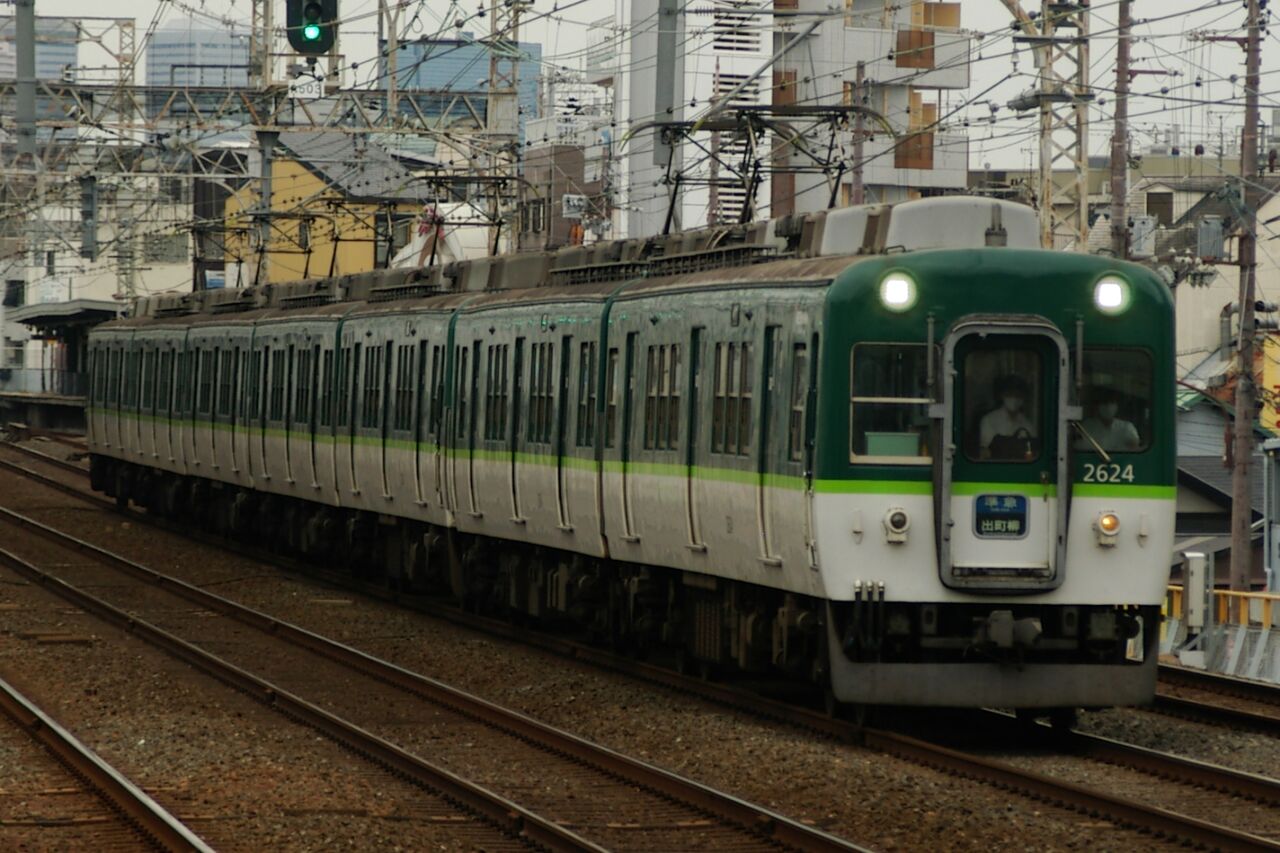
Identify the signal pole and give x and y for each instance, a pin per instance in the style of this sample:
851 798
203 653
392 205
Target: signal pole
1241 503
1120 138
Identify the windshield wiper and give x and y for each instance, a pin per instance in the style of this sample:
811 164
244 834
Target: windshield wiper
1098 447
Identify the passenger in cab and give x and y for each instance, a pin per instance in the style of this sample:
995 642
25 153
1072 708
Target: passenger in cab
1109 431
1006 433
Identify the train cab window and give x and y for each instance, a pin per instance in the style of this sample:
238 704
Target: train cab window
1116 395
889 404
1003 390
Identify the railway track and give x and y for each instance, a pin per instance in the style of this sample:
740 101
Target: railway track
98 808
1219 699
631 804
1202 791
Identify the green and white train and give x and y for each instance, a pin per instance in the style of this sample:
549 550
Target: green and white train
898 452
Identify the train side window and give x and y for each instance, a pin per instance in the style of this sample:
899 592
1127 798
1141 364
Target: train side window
437 389
611 397
799 399
495 403
586 427
541 390
370 402
731 399
276 407
341 406
112 390
302 387
889 403
326 388
460 382
226 382
421 403
1117 399
662 397
148 378
403 418
164 379
204 368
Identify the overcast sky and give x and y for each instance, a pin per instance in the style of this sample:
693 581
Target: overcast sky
1201 100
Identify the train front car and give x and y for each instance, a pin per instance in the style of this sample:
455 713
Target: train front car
995 478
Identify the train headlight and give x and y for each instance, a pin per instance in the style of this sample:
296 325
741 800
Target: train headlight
1107 526
897 291
1111 295
896 524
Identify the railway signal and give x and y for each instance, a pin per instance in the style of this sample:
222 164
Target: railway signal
312 25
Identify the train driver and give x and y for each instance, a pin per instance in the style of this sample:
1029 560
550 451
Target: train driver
1109 431
1006 432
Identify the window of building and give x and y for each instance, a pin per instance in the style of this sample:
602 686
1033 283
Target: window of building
15 293
889 403
1160 205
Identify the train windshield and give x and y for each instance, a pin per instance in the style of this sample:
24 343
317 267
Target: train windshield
1003 404
889 403
1116 395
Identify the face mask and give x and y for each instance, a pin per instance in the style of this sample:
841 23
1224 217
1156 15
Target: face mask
1107 411
1012 404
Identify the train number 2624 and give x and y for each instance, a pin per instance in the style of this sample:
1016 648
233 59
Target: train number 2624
1112 473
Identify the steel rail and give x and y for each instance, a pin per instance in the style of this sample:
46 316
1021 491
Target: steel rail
508 816
1229 685
757 819
161 828
44 457
990 771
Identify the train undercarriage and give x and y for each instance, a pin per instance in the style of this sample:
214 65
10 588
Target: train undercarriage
694 621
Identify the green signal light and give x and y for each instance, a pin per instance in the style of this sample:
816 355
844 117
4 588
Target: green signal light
311 32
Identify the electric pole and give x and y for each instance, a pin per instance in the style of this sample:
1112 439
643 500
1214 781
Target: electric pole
1241 502
859 127
1120 138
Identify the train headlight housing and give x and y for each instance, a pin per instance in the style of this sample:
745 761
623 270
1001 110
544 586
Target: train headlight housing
897 291
1111 295
896 524
1106 526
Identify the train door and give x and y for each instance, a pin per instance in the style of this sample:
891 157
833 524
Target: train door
472 380
765 450
1004 489
288 406
692 443
517 424
353 397
628 397
561 445
232 389
264 403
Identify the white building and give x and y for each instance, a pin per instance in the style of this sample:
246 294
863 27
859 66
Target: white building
57 44
915 61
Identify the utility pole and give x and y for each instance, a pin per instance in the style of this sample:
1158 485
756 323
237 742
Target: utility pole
1241 502
389 12
266 147
859 129
26 82
1120 138
502 118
